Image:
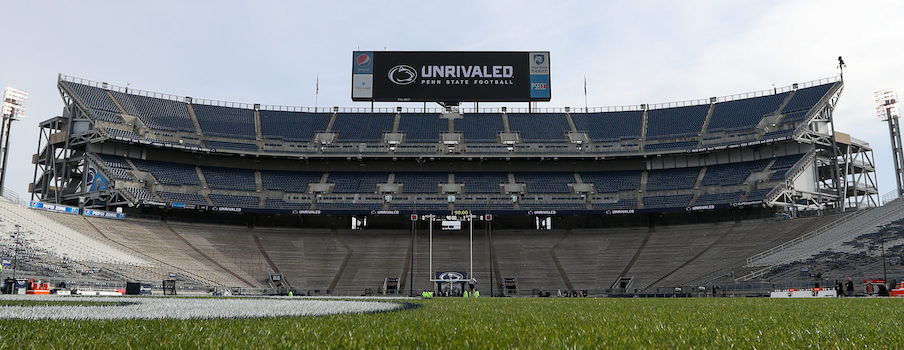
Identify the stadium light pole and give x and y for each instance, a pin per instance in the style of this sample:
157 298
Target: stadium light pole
887 111
884 261
411 252
471 248
18 244
13 109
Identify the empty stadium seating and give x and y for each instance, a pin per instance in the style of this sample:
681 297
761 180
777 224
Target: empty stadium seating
547 127
745 113
718 198
156 113
422 127
672 179
805 99
169 173
680 128
93 97
612 126
662 202
179 197
421 182
244 192
676 122
613 181
346 182
546 182
229 178
731 174
225 121
293 126
234 201
288 181
481 182
362 127
480 127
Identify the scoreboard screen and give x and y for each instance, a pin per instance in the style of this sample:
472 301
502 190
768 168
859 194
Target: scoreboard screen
442 76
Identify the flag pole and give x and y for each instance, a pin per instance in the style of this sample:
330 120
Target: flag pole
316 92
585 94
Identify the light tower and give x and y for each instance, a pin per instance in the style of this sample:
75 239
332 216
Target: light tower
13 109
887 110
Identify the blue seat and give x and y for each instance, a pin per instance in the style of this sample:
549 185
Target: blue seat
293 126
676 121
672 179
480 127
540 127
612 126
422 127
362 127
225 121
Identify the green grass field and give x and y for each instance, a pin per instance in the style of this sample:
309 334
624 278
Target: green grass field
509 323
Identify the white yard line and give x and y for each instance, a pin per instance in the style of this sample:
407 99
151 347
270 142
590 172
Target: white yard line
185 308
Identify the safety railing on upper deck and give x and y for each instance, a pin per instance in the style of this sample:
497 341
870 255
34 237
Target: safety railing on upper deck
409 109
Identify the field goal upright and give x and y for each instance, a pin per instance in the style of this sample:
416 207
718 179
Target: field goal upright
452 222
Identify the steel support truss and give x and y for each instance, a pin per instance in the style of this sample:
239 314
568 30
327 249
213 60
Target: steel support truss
62 163
845 171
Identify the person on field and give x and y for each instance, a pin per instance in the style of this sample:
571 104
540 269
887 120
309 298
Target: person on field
839 289
464 294
476 293
849 287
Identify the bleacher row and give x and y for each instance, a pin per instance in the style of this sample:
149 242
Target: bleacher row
667 128
666 188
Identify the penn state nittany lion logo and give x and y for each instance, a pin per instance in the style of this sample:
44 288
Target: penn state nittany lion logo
402 75
451 276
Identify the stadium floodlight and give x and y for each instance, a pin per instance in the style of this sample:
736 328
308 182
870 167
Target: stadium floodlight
887 111
14 103
13 109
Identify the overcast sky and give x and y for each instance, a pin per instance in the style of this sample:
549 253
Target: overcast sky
631 52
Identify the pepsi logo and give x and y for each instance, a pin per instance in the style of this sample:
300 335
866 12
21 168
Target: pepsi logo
363 60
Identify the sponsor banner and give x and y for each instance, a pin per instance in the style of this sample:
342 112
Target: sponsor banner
226 209
539 87
452 276
539 63
96 181
701 207
53 207
153 203
363 62
384 212
433 76
362 86
306 212
104 214
541 212
184 206
619 211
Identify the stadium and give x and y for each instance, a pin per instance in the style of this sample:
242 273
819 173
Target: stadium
217 177
631 200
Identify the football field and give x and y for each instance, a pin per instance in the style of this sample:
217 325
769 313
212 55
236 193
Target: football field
502 323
